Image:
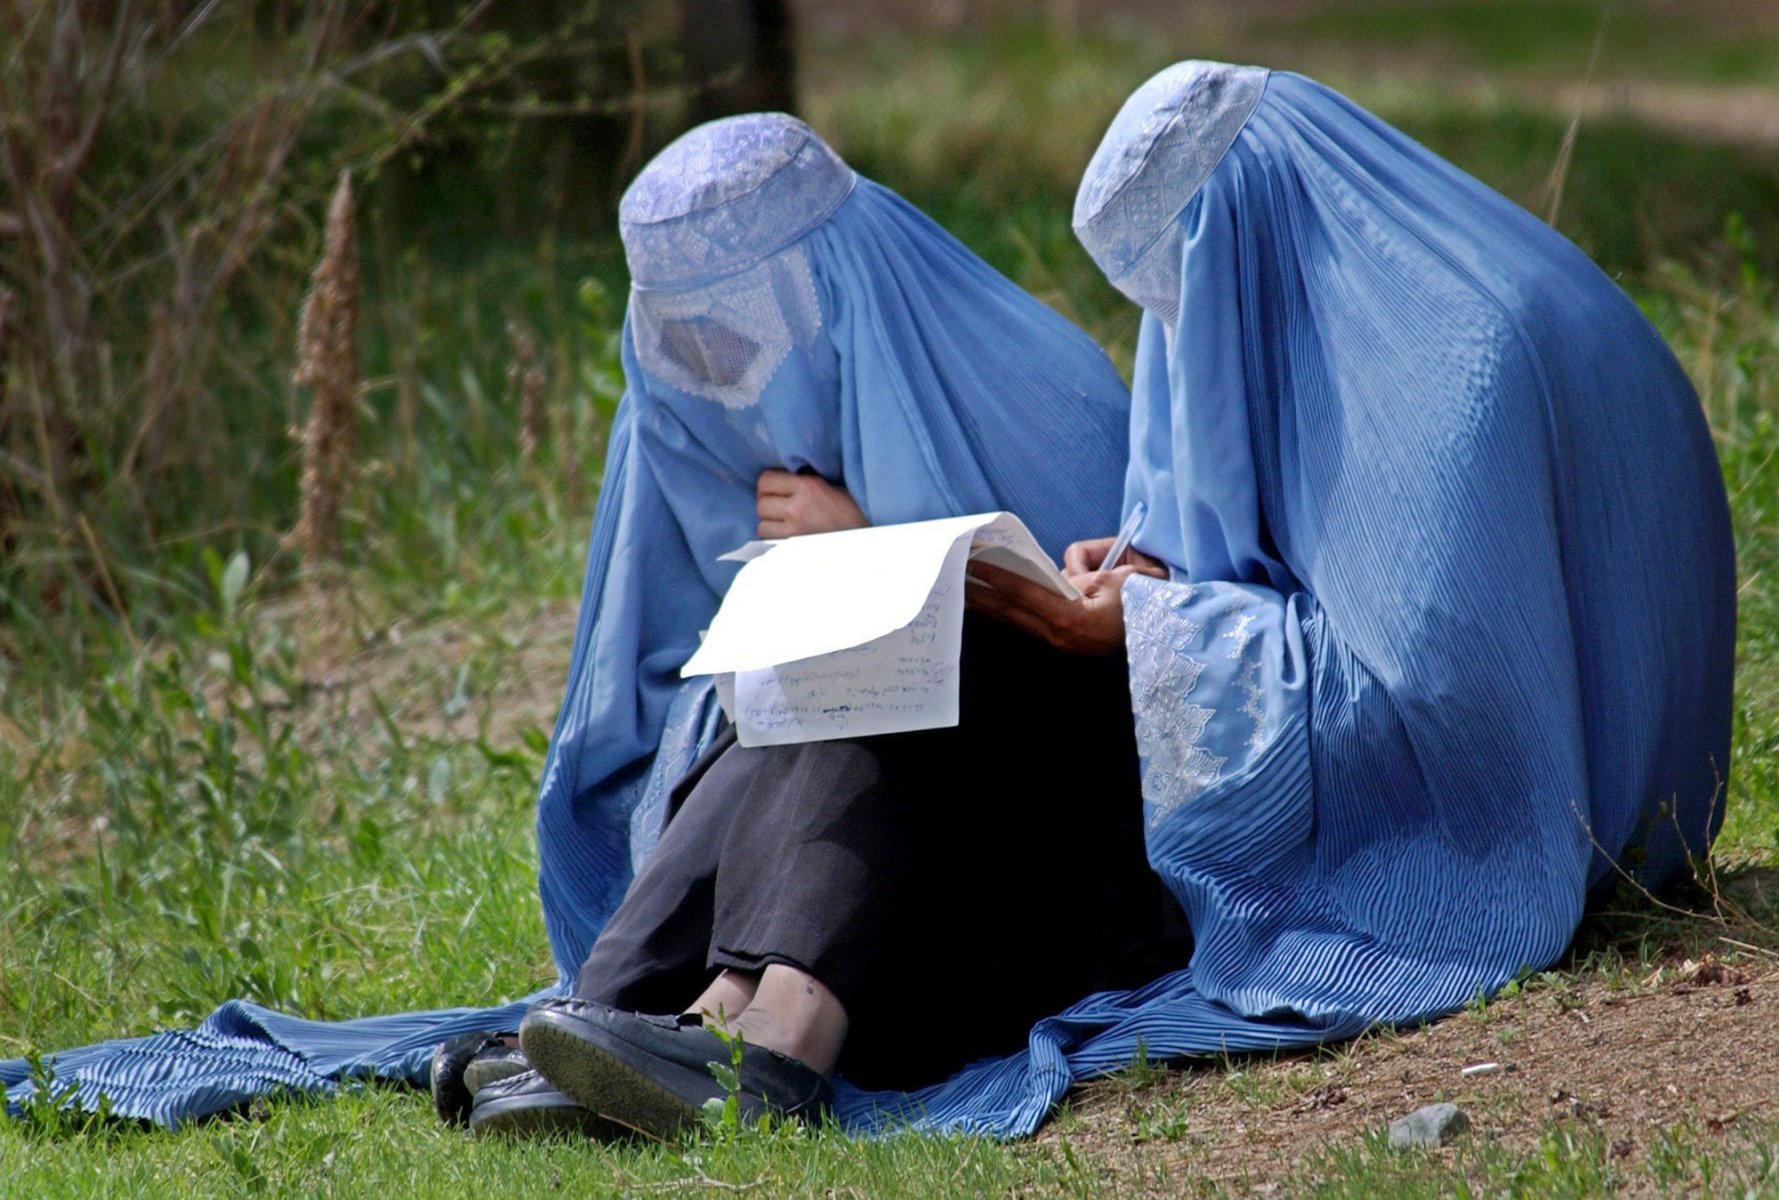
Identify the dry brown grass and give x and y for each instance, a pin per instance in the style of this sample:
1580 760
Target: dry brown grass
526 379
327 364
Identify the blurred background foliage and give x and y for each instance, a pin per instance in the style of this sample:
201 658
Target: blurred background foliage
166 164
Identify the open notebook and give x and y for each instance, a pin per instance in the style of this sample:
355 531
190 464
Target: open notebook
855 633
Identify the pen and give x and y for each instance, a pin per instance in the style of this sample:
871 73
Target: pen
1122 542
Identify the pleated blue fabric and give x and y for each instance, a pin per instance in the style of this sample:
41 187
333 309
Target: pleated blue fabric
784 313
242 1051
1447 643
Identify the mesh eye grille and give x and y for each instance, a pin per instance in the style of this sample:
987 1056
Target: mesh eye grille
709 351
726 340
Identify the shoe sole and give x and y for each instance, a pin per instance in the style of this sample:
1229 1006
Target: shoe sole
609 1078
526 1116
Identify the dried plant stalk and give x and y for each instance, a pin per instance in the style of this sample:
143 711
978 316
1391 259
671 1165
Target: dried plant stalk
563 429
327 363
10 506
525 376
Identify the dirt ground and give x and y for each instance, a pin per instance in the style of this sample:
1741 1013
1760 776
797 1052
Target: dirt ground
1742 116
1692 1044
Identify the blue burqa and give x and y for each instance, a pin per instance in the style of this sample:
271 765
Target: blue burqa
784 313
1448 638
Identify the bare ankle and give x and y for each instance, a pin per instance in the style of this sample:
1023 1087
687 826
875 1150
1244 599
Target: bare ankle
727 997
796 1015
758 1028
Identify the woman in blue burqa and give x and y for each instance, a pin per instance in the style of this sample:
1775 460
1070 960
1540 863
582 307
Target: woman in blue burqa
1445 642
803 351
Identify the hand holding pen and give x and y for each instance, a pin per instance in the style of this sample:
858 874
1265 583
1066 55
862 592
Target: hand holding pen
1103 554
1092 624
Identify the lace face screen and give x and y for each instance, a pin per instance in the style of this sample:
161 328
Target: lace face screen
725 340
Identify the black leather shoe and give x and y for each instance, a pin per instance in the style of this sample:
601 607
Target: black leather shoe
525 1105
653 1073
451 1094
467 1063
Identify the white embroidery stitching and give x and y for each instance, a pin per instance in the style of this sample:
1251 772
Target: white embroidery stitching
1249 682
1239 635
727 195
1165 142
725 341
1176 769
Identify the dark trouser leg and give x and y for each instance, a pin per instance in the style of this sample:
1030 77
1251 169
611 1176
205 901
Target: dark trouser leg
777 846
652 955
950 886
811 869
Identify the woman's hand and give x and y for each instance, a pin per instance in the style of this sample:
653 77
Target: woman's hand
1094 624
1082 558
791 505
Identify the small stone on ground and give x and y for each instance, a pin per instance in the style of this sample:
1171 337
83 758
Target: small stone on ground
1434 1125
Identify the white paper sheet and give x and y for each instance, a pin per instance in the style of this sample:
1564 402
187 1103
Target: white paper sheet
907 679
855 633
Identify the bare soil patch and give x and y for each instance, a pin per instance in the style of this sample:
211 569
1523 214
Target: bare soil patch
1692 1044
1739 116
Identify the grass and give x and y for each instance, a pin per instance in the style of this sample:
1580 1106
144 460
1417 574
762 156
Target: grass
371 1142
377 1142
200 848
208 806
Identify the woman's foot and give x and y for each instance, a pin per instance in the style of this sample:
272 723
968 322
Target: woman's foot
795 1014
653 1073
